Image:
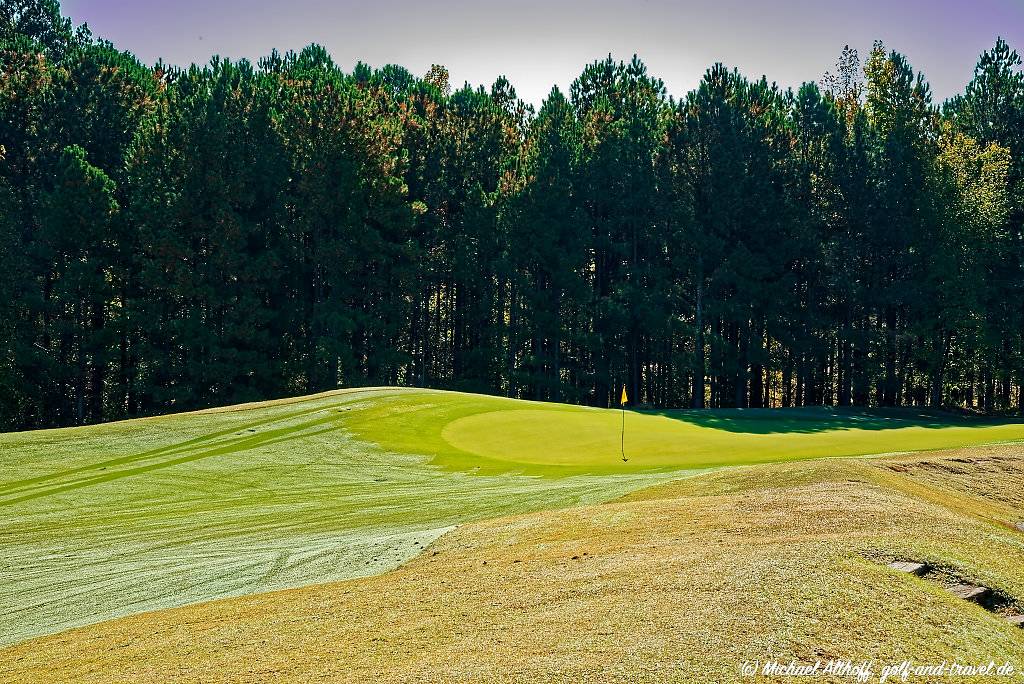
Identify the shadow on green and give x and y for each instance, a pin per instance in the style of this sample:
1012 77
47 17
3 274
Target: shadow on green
822 419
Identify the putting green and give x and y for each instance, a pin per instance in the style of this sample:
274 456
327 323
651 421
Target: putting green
574 439
482 434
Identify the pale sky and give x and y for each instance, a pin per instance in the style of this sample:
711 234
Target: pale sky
537 44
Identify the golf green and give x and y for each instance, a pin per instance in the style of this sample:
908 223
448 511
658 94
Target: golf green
492 434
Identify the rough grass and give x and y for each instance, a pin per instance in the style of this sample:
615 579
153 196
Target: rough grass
113 520
682 582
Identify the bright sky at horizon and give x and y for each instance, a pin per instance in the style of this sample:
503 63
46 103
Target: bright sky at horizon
537 44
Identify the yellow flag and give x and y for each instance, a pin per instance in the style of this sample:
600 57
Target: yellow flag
625 397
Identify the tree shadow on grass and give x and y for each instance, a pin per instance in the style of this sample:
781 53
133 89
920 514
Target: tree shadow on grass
822 419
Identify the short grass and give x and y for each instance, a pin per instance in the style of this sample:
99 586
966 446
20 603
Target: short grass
681 582
468 432
112 520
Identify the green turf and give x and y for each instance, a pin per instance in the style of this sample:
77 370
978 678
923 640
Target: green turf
491 434
109 520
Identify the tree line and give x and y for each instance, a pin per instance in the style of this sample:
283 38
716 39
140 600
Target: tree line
174 238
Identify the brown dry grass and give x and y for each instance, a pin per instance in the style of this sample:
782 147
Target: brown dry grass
679 583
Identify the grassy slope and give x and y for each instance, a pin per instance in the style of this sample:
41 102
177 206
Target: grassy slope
112 520
115 519
676 583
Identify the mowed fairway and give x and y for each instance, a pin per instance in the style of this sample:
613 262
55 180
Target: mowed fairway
117 519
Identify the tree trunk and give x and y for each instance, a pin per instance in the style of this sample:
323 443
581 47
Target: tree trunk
700 364
757 384
938 373
742 354
889 384
97 364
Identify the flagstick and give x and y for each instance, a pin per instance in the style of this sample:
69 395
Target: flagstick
622 434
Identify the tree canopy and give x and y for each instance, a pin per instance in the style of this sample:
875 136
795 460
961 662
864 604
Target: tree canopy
174 238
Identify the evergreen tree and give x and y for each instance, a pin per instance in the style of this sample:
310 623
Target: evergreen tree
991 111
178 238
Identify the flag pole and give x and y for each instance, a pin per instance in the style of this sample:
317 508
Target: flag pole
622 433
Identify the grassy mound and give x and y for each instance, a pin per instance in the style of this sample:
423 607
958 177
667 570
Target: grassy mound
682 582
112 520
